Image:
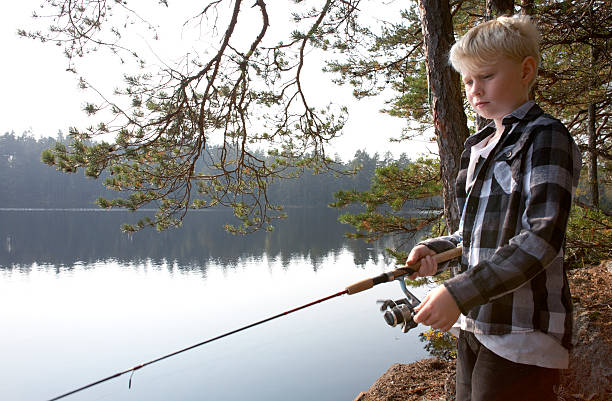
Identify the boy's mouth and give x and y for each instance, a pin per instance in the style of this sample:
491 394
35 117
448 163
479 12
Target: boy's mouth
480 104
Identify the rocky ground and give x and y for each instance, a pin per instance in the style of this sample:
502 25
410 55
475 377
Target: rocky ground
590 374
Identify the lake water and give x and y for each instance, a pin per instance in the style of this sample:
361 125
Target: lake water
81 301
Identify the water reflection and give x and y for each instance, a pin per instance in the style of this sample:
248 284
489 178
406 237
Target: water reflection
122 300
65 238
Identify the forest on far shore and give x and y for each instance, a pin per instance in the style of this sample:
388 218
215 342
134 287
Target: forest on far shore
29 183
377 208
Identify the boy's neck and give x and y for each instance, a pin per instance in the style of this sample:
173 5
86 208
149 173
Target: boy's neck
499 125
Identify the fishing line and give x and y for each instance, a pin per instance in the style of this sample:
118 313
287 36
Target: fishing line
138 367
351 289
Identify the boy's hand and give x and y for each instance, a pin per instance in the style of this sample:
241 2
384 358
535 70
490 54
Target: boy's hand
421 253
438 310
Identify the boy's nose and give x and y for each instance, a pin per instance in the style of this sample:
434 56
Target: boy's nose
476 89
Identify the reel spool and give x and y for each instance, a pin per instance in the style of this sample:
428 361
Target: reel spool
401 311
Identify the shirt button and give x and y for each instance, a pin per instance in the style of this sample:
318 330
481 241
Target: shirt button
509 153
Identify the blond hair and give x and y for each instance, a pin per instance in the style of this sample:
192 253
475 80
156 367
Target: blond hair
513 37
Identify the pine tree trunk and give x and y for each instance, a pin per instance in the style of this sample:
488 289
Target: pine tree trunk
527 7
445 100
592 132
594 186
496 8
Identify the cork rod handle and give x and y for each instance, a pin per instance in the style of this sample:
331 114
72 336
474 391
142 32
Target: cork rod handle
402 271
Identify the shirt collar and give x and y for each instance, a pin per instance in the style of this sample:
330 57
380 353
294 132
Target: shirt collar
519 113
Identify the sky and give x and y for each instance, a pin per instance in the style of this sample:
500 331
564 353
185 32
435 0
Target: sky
41 98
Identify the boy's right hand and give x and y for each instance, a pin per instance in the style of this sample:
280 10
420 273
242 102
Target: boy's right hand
428 267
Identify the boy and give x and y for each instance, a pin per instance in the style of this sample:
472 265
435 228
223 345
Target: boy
515 186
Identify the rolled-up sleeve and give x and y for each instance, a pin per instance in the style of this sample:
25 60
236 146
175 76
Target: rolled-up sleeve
442 244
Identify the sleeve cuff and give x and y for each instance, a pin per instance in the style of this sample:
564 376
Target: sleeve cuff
464 291
438 245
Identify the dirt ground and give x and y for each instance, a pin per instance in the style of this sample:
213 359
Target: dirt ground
590 374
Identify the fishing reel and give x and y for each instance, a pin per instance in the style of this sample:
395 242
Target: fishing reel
402 310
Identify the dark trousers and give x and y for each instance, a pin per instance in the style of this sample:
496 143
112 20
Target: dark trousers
485 376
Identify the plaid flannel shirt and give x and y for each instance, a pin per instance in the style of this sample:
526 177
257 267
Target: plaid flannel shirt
513 227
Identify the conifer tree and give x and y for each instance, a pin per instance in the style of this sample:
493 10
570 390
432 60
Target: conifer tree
164 123
569 88
575 80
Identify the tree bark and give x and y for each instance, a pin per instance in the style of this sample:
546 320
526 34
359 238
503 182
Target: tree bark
527 7
445 100
593 183
496 8
592 132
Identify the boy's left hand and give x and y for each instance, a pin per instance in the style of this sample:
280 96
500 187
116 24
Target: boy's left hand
438 310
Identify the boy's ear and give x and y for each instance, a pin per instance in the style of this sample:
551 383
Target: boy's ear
528 68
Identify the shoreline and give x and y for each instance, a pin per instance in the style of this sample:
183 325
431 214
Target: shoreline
589 376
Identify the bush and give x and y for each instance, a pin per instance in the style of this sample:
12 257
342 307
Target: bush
440 344
589 236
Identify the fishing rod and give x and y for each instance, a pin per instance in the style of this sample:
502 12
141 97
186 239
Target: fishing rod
400 312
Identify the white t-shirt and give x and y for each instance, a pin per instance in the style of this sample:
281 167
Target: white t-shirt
481 149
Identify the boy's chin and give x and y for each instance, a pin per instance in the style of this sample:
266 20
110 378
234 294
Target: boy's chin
484 115
488 116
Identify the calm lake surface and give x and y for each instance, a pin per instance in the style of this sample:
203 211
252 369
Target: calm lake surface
81 301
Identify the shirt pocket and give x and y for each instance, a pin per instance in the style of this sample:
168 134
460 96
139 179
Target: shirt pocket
502 172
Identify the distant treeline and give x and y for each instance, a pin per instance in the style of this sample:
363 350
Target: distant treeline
25 182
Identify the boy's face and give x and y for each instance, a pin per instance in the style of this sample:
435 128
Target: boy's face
497 89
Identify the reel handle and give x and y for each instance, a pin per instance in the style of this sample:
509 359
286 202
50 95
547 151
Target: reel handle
402 271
